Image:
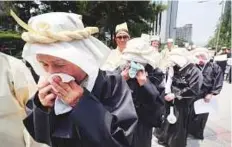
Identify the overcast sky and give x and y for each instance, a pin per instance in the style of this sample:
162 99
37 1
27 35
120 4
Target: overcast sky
203 16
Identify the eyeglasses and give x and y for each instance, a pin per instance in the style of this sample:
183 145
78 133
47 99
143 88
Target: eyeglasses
124 37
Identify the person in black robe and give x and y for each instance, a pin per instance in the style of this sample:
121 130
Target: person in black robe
105 117
186 80
146 87
212 85
77 104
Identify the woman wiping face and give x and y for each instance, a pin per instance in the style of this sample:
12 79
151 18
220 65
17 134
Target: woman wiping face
69 92
143 77
76 101
53 65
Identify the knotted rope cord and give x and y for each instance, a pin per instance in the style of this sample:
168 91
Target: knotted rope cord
46 36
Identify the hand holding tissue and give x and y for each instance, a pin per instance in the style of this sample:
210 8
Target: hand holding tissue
60 106
134 68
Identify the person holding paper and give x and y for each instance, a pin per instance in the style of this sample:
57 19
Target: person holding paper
145 81
77 105
212 85
183 84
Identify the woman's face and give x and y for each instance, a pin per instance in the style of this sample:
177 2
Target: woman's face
201 59
121 39
169 44
155 44
53 65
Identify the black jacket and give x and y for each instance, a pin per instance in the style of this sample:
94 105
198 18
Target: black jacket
186 86
106 117
147 98
187 82
212 79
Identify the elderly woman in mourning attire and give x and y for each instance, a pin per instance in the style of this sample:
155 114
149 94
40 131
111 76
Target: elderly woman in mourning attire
183 83
140 71
77 105
212 86
121 37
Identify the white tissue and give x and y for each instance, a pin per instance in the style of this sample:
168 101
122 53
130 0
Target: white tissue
64 77
60 106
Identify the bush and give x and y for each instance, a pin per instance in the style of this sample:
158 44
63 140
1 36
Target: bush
9 34
11 43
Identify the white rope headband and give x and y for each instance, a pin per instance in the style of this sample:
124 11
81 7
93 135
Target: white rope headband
45 36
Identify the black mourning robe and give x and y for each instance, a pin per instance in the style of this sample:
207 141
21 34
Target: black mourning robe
222 64
148 104
186 86
212 84
228 75
106 117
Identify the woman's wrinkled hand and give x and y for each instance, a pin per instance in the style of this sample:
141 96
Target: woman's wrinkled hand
169 97
208 97
125 74
141 77
46 94
70 92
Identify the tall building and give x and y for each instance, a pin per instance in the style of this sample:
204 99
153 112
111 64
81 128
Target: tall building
168 20
184 33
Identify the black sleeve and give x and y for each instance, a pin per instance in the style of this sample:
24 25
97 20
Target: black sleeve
148 92
217 80
195 80
156 76
37 122
151 106
109 123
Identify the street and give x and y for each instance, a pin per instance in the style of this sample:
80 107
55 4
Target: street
218 127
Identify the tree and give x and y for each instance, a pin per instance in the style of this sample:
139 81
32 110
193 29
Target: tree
105 15
224 38
156 10
180 42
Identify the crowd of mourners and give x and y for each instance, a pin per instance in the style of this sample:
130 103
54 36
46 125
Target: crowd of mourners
71 90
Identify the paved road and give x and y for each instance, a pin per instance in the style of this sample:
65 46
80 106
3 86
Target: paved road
218 128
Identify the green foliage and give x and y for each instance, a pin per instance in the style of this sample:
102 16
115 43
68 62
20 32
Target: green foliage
9 35
104 14
224 38
10 42
180 42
